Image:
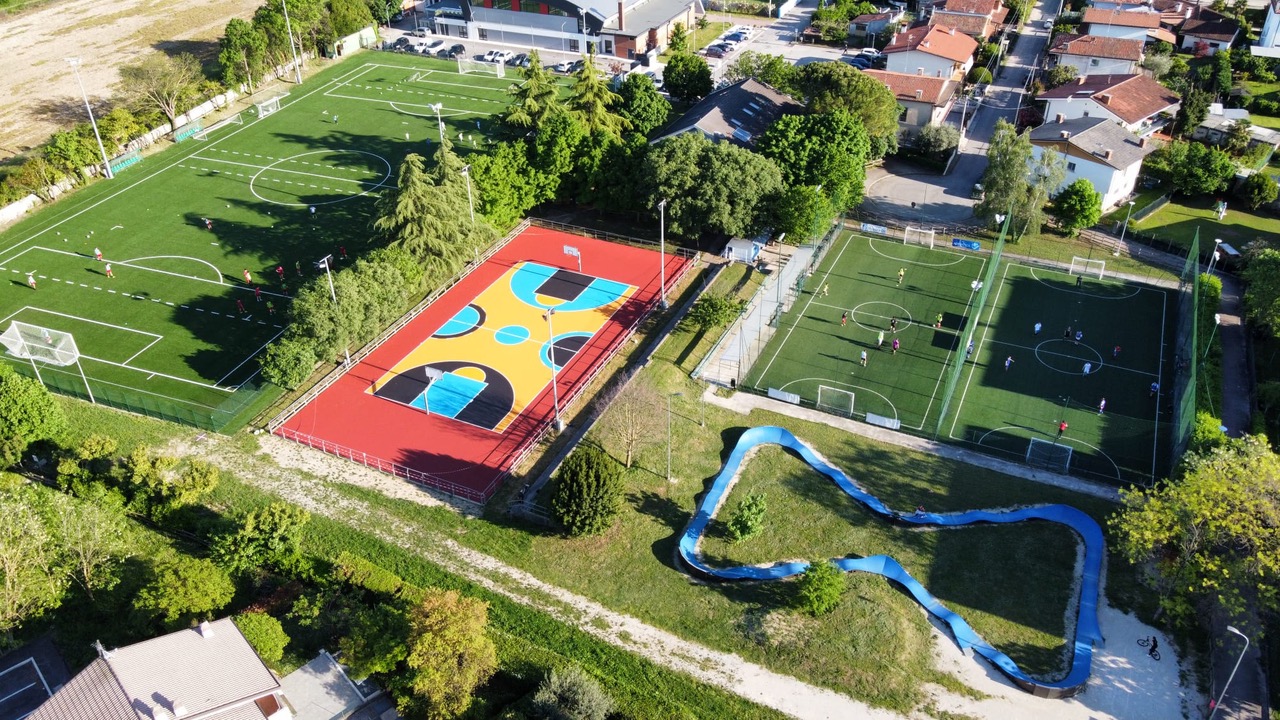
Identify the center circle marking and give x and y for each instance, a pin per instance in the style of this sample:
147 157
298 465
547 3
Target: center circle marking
904 317
385 177
1062 357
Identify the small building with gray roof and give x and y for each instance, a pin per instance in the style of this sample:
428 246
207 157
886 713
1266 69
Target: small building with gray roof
1096 149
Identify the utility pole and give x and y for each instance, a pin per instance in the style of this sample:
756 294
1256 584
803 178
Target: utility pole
106 164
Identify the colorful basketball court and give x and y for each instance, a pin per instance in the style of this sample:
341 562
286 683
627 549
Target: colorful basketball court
454 398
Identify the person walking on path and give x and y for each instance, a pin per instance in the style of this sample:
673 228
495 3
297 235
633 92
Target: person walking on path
31 280
844 318
1008 362
248 277
109 273
97 254
896 345
902 272
1102 406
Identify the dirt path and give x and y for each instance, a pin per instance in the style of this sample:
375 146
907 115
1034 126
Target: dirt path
39 94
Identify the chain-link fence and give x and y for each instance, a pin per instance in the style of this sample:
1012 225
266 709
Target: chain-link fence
1186 342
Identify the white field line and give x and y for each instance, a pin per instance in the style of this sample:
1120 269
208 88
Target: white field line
995 303
803 313
273 168
148 347
251 356
124 263
924 419
1155 433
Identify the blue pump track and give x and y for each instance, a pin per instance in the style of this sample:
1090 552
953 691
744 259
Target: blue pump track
1087 630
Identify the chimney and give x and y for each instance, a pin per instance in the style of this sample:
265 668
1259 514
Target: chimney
161 714
622 26
1080 80
1106 154
180 710
919 94
1060 118
205 629
1143 142
953 31
1105 98
1065 134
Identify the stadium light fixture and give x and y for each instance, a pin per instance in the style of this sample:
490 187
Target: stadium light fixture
439 123
662 251
288 30
325 262
551 355
1214 710
466 172
1217 254
106 163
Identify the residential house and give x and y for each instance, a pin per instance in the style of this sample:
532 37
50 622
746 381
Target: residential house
208 672
1136 102
1217 126
1096 149
979 18
1209 31
626 29
933 50
1130 24
737 113
864 29
1172 14
1096 55
924 100
1268 44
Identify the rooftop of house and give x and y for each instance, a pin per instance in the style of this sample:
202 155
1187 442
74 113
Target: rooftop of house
1211 26
1131 98
938 40
738 112
1097 46
915 88
1106 142
639 16
969 7
975 25
874 17
1124 18
205 673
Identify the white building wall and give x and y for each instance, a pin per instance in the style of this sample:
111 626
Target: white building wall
914 62
1114 185
1268 44
1098 66
1118 31
1189 43
1078 108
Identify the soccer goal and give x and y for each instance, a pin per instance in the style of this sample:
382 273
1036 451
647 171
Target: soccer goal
1053 456
204 133
43 345
1084 266
269 106
917 236
468 65
835 401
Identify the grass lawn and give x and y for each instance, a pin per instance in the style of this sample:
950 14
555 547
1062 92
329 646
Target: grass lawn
1140 203
203 236
1178 221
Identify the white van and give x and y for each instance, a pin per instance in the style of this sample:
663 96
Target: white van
419 32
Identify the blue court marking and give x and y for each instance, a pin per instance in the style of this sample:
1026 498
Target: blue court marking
512 334
1088 631
449 395
599 292
463 322
546 348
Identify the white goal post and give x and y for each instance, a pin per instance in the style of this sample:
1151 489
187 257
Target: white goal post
468 65
50 347
917 236
1084 266
233 120
835 401
270 105
1054 456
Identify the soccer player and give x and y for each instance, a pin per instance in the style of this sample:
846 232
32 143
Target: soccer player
248 277
1079 281
109 273
208 224
864 358
896 345
826 289
271 308
1155 389
239 306
844 318
1088 367
1079 336
1008 362
938 321
1102 406
279 272
880 340
1062 427
1115 352
968 352
893 325
902 272
97 254
257 293
1036 330
31 281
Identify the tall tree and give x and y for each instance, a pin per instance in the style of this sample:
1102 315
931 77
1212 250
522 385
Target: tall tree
829 86
588 491
95 538
553 153
29 414
594 103
533 100
376 642
349 16
1193 110
71 151
267 536
634 418
310 20
243 52
642 104
687 76
504 183
1213 536
678 40
450 652
828 149
772 70
269 18
1077 206
1004 182
1262 289
185 588
33 570
711 187
1046 176
162 81
1191 167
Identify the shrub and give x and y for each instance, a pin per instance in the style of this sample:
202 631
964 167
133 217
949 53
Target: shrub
264 633
1206 434
1262 106
713 311
979 75
361 572
288 362
588 491
1258 190
570 694
185 588
820 587
938 140
748 518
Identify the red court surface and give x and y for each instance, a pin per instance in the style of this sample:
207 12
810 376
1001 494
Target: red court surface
445 453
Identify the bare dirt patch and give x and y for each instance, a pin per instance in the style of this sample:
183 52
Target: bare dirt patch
39 94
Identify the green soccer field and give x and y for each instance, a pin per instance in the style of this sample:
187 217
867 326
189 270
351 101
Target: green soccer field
818 358
168 334
812 350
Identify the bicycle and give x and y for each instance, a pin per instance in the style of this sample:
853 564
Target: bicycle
1154 654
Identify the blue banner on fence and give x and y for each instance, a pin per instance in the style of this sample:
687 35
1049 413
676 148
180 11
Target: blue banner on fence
966 244
877 229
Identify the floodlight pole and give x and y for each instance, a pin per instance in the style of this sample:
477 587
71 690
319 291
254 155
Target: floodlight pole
1213 259
551 355
439 123
466 172
325 261
1125 229
433 374
1214 710
288 29
106 164
662 251
1217 320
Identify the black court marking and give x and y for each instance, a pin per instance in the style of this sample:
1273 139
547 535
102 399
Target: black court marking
564 285
488 408
565 349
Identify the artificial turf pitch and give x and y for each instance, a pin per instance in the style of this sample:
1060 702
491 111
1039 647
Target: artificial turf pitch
992 409
165 334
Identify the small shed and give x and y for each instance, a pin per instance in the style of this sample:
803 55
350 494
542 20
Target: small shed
743 250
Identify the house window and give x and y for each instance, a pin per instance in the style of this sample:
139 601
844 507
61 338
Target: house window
462 31
573 46
482 34
1071 167
1093 61
608 46
1086 113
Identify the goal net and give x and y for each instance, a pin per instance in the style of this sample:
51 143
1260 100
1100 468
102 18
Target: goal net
835 401
204 133
468 65
1052 456
1083 266
917 236
31 342
269 106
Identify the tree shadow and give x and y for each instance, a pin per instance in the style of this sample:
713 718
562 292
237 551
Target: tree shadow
68 111
204 50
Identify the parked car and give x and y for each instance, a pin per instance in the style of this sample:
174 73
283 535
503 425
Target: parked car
402 43
978 193
736 37
859 61
521 60
397 16
456 51
497 56
419 32
432 47
746 30
576 65
656 78
562 67
718 50
979 90
870 52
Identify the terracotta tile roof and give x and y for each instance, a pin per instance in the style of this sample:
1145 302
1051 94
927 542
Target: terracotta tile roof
938 40
1096 46
1123 18
969 7
905 86
1211 26
976 25
872 17
1131 98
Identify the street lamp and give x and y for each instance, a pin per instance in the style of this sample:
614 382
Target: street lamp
1217 254
551 355
672 395
325 262
1217 320
106 164
662 250
288 30
1214 710
439 123
466 172
1125 229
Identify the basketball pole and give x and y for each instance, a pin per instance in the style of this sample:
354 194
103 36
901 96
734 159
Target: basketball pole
551 355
